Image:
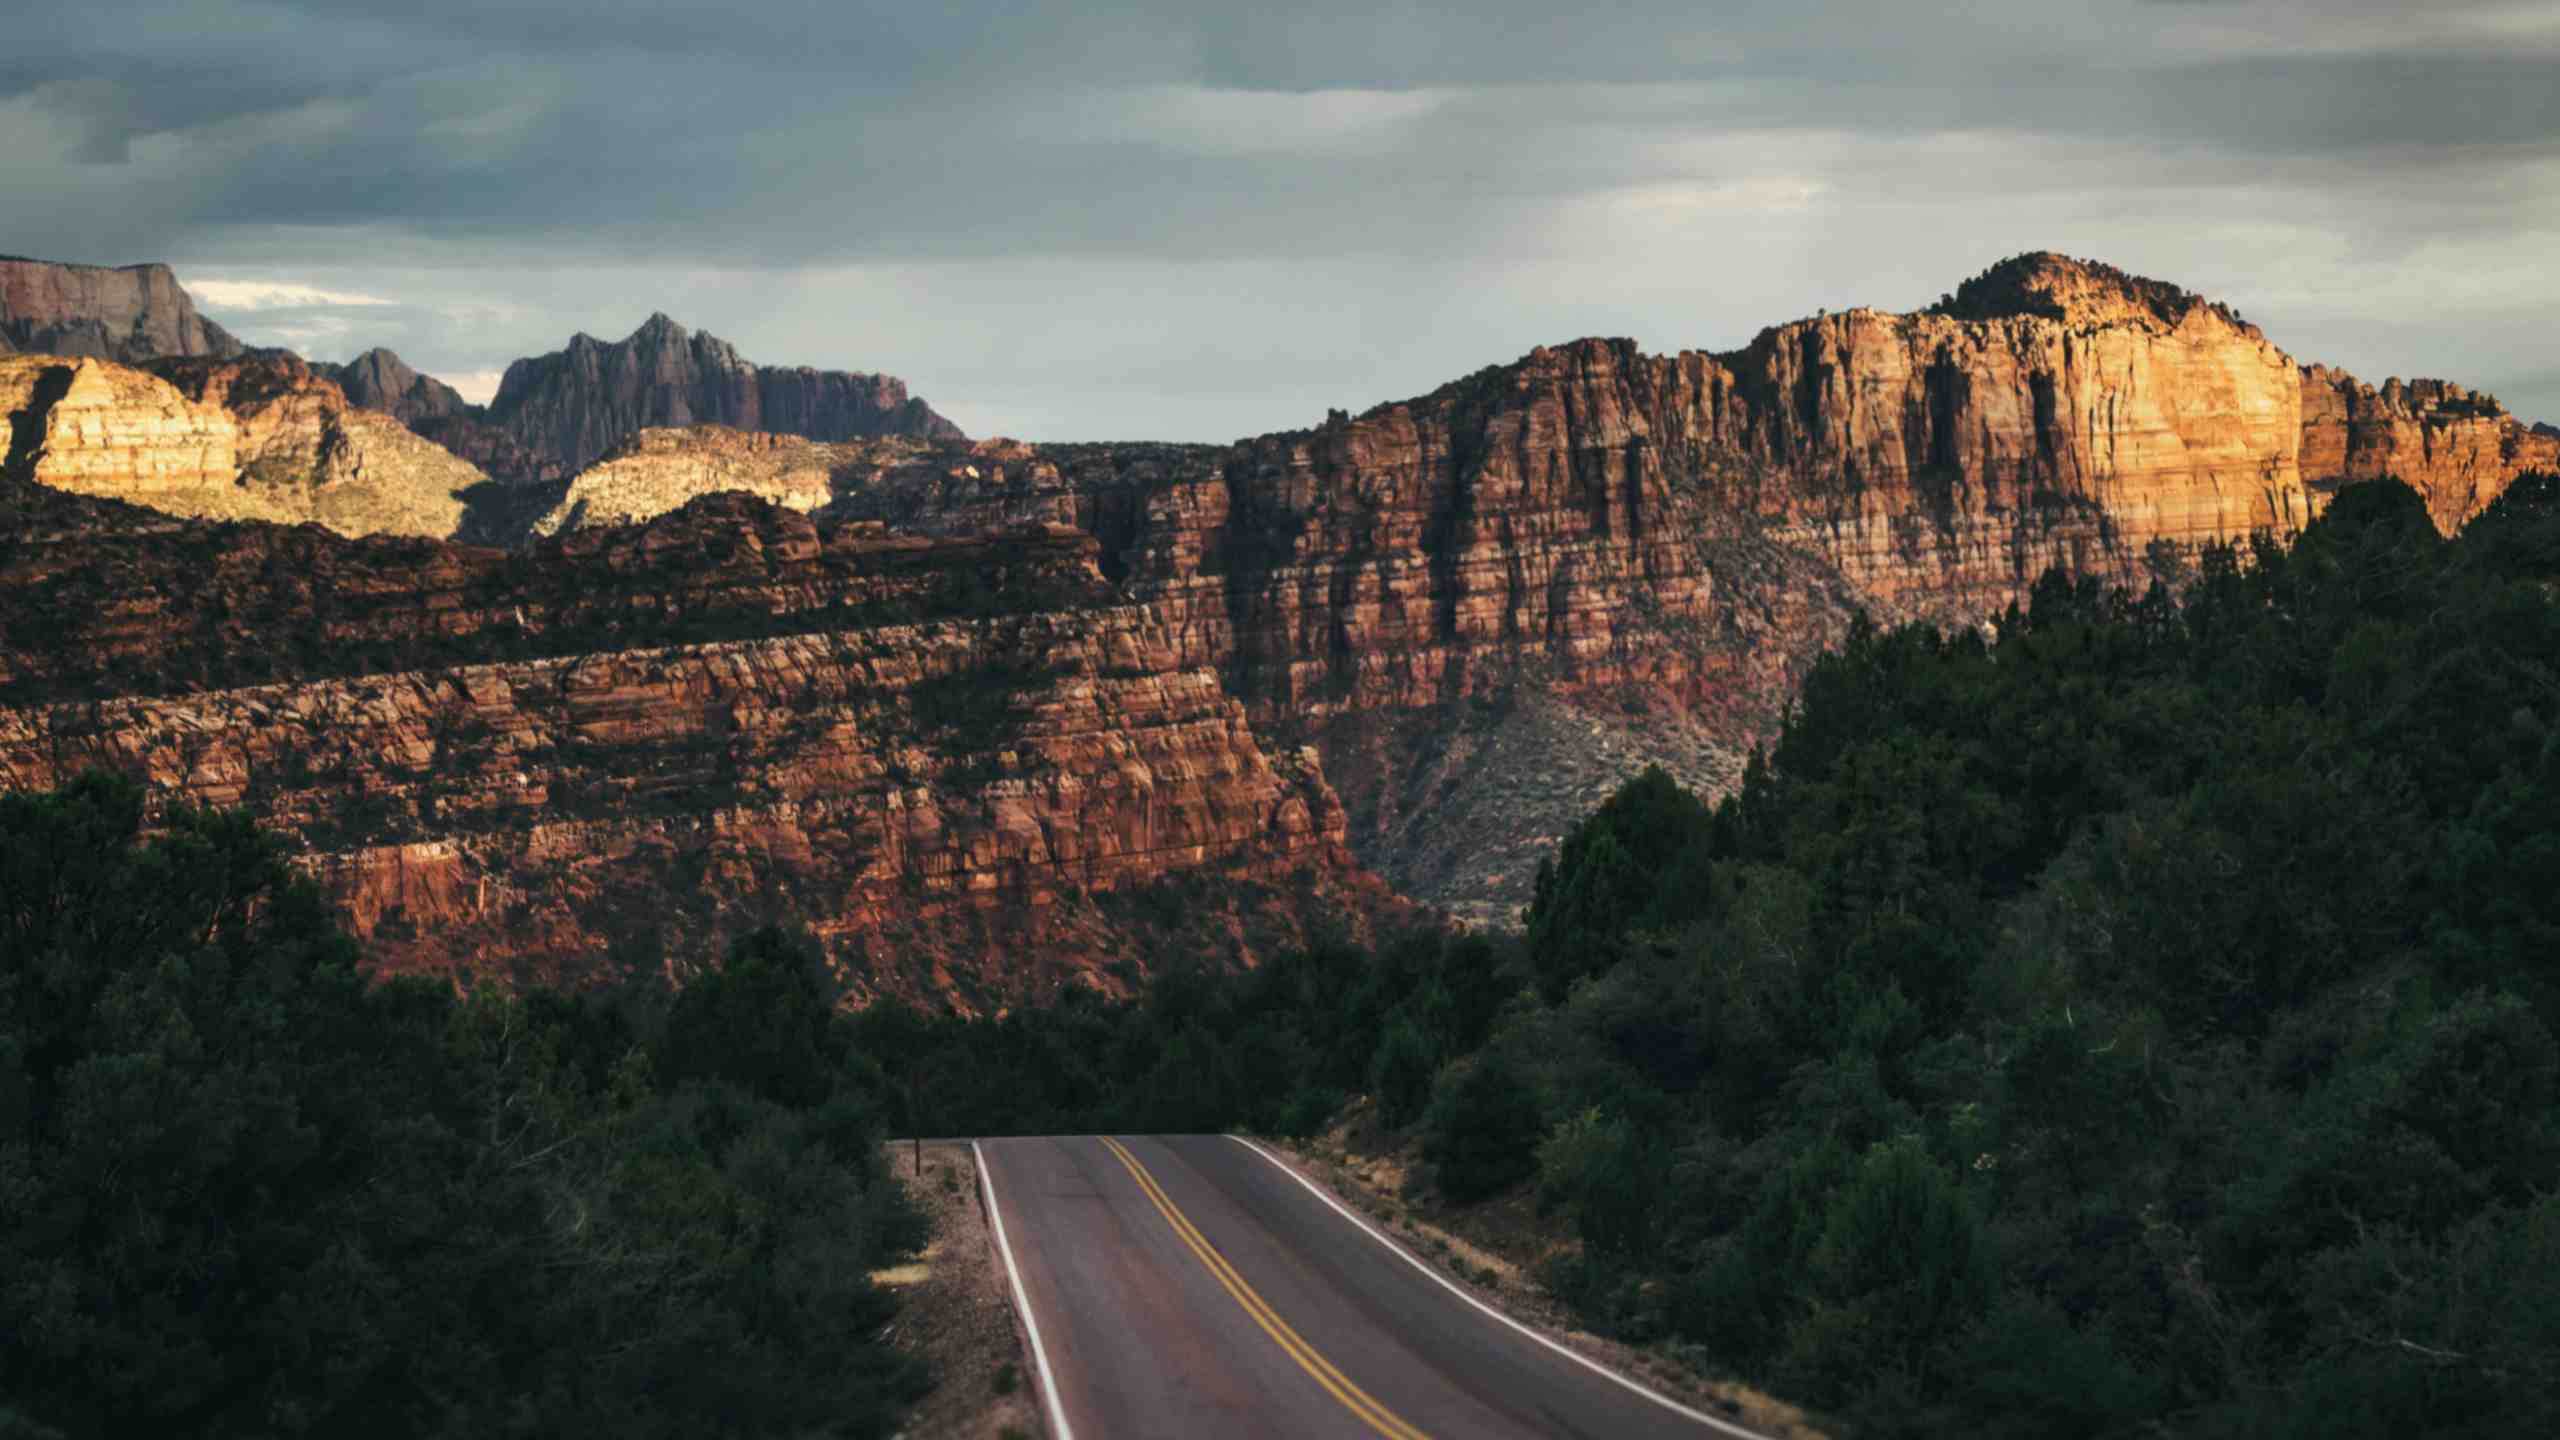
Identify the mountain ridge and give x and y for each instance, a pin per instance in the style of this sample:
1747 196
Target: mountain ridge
1466 615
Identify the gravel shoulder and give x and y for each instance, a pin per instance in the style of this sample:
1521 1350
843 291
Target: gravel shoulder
1493 1250
954 1310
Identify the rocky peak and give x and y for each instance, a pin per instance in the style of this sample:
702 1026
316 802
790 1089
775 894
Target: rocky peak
565 410
2080 293
129 314
381 380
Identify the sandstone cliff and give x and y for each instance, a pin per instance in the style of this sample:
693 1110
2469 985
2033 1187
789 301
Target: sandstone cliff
1467 615
133 313
2459 449
258 438
951 760
1487 605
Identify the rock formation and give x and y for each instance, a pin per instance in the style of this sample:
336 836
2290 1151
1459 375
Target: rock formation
950 760
2458 448
133 313
1486 605
380 380
932 697
556 414
566 409
926 487
255 438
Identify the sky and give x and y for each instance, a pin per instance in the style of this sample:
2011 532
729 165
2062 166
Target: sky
1095 219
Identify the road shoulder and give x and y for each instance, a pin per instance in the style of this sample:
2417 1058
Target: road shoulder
955 1312
1496 1264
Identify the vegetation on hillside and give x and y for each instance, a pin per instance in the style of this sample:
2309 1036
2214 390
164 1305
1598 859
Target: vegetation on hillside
2139 1016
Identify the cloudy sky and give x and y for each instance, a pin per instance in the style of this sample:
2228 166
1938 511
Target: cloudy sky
1084 219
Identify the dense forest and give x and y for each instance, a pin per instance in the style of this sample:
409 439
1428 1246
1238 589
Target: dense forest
245 1193
2139 1017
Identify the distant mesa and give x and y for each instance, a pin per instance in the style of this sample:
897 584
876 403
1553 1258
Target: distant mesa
579 402
557 414
129 314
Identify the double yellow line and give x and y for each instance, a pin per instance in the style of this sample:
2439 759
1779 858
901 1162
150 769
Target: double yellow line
1358 1401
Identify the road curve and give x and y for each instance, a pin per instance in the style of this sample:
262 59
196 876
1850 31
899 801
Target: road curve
1194 1285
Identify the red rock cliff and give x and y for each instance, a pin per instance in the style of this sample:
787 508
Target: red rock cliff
2459 449
943 757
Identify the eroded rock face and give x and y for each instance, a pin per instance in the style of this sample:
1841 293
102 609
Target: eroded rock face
132 313
2459 449
942 757
948 487
1460 599
1439 631
253 438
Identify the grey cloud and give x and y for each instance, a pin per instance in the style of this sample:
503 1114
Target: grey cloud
1155 217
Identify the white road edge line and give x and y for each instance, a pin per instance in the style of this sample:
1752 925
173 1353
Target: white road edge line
1058 1425
1445 1283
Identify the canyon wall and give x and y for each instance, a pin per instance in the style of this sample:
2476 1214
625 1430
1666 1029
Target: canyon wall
131 313
949 703
959 763
2459 449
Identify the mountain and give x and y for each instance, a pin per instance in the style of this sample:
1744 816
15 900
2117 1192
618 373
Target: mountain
133 313
556 414
958 704
380 380
573 405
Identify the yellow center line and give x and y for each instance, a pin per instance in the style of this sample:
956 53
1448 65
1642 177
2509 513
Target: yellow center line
1358 1401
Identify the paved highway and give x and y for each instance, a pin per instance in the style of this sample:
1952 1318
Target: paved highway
1190 1286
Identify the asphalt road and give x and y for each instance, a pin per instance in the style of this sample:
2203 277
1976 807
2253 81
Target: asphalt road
1194 1286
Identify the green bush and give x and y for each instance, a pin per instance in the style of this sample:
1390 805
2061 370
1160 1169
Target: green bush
1482 1133
1400 1073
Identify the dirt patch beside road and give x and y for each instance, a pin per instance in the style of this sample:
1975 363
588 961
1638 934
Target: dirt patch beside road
955 1311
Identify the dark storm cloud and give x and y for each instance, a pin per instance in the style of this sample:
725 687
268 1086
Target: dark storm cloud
1348 146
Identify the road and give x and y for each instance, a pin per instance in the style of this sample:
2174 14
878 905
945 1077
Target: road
1191 1286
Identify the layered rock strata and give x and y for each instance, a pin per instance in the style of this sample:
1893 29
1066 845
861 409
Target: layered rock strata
2458 448
1477 610
943 758
1594 551
132 313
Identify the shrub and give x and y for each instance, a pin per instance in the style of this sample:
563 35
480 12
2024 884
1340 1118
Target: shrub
1482 1133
